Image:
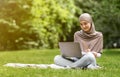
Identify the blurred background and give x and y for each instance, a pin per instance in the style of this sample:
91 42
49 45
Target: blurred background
28 24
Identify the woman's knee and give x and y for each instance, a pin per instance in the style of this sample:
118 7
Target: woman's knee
90 56
57 59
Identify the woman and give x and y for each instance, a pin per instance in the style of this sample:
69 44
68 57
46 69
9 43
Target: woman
91 42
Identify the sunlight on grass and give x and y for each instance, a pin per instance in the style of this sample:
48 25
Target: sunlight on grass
109 61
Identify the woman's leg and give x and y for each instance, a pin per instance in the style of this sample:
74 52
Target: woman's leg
87 59
59 60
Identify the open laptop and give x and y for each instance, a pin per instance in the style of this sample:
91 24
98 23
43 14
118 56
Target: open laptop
70 49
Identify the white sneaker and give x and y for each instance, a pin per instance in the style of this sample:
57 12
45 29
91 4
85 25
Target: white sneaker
93 67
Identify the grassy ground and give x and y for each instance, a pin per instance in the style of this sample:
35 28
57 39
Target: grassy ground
110 61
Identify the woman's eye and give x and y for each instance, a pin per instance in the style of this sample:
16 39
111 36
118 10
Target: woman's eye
85 23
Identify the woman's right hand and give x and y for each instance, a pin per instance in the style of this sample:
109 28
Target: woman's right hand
87 50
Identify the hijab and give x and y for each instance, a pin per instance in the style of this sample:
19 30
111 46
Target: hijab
92 39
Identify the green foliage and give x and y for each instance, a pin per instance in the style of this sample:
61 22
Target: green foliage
15 27
107 16
86 5
26 24
53 20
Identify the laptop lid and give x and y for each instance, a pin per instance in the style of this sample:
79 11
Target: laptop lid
70 49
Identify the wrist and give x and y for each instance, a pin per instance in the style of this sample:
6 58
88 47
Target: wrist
96 54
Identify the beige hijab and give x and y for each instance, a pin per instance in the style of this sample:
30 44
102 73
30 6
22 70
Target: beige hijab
92 39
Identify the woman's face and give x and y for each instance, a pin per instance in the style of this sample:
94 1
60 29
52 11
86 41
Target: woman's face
85 25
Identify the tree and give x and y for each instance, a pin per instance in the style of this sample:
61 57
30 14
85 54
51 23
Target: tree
53 20
107 16
15 27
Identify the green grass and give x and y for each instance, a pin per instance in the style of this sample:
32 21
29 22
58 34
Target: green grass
110 61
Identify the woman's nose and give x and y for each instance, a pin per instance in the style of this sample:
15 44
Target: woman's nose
83 26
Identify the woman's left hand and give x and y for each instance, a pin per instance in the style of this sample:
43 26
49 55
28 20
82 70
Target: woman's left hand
95 54
88 50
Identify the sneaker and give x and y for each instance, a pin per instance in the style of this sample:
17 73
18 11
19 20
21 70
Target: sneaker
93 67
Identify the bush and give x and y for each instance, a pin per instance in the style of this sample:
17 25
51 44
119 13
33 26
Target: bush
53 20
15 28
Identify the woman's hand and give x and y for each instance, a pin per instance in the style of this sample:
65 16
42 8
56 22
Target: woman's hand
87 50
95 54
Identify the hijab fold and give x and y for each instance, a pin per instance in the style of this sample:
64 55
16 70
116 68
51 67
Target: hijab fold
92 39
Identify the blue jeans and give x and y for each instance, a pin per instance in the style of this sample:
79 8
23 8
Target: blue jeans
87 59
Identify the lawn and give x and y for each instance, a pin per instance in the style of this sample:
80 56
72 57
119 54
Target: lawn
109 61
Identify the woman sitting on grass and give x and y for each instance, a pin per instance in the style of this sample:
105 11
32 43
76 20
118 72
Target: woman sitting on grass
91 42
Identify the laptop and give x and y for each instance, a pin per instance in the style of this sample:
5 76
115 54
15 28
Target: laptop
70 49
